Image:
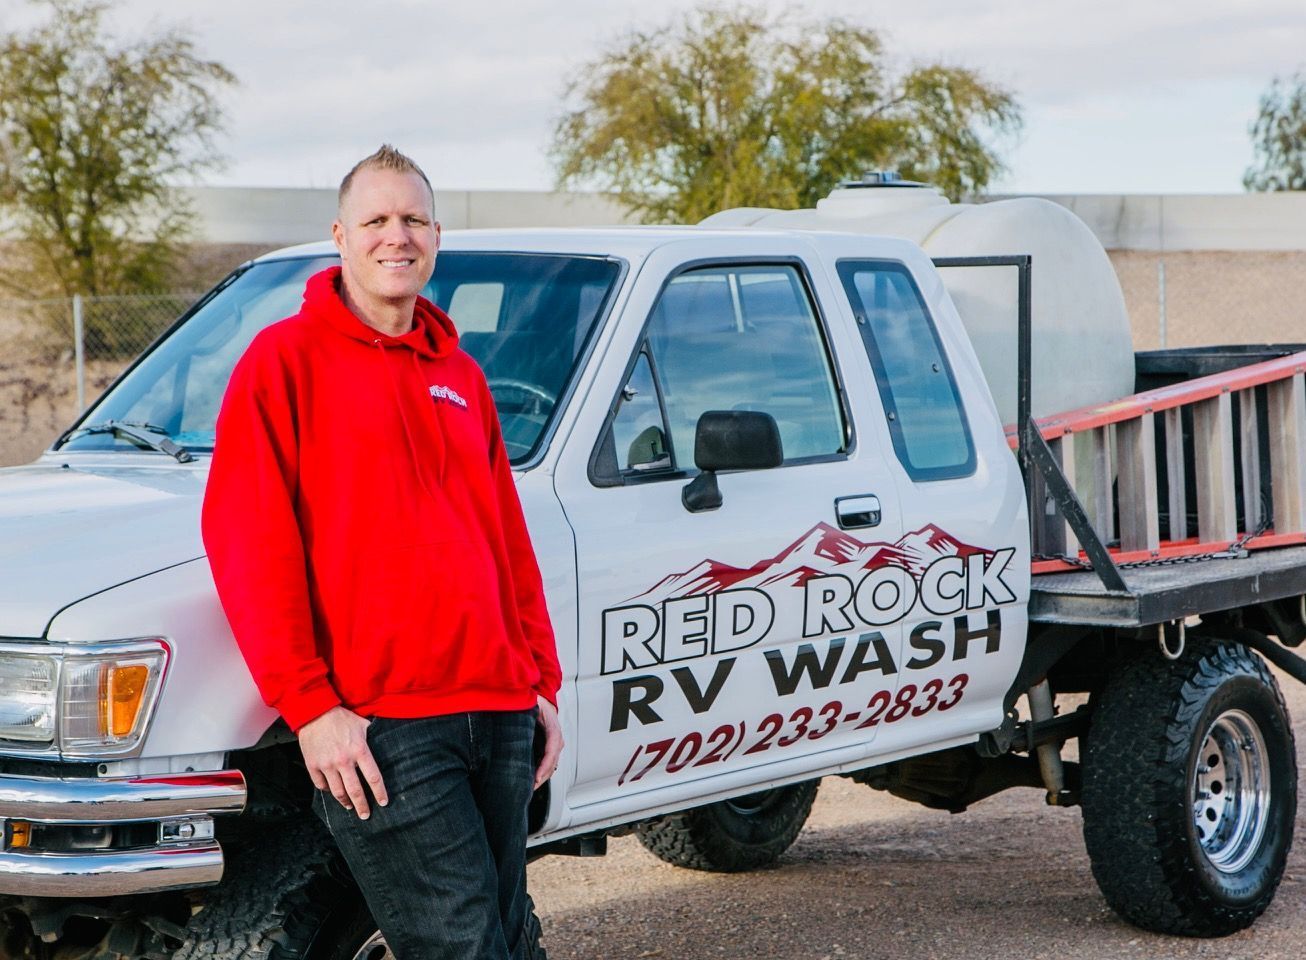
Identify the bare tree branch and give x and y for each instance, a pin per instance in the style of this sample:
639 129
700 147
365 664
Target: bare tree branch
93 132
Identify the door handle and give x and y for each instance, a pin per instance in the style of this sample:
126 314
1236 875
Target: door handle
862 510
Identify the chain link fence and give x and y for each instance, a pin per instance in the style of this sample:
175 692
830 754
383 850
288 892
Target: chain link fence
1210 297
59 354
114 330
102 334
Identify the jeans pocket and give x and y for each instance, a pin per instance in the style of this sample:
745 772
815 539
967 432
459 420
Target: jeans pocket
320 800
375 726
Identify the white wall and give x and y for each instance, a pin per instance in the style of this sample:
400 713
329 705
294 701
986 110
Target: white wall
1174 222
274 215
1158 222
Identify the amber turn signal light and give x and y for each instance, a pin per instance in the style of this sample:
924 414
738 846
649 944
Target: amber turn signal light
124 693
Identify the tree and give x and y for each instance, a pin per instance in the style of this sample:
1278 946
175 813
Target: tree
1279 137
92 132
731 107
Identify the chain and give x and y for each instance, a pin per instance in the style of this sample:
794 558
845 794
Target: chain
1235 551
1062 558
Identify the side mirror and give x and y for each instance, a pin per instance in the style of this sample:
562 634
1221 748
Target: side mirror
729 440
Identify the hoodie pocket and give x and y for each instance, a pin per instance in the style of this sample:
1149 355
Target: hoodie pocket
427 617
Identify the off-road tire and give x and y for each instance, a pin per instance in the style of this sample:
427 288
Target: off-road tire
279 898
291 897
731 836
1142 798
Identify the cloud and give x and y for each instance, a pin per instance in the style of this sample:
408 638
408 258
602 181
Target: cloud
477 86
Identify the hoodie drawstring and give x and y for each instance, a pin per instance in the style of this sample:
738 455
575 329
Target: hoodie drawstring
440 457
408 433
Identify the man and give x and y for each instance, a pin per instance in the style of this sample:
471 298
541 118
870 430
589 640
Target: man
369 549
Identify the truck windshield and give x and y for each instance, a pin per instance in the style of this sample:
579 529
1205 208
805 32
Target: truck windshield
525 318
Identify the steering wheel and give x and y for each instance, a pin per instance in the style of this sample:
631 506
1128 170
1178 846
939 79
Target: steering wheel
535 399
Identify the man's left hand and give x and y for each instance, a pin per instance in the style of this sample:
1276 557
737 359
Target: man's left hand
548 719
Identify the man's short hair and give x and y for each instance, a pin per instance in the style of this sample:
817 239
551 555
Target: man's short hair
386 158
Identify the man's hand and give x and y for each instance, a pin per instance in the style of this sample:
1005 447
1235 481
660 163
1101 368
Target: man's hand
552 741
335 751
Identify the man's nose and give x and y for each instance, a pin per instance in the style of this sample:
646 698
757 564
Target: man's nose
397 234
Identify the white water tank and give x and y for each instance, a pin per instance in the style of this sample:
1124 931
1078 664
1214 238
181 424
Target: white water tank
1082 348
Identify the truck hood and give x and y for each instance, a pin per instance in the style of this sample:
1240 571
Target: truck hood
70 529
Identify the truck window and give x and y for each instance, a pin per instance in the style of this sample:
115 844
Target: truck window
744 338
930 434
525 318
638 431
477 307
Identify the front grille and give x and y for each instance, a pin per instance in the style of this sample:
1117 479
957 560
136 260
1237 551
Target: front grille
64 769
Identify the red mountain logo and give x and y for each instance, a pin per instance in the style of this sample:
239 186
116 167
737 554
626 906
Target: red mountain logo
441 393
821 551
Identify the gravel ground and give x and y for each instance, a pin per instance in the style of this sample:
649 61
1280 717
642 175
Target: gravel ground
872 876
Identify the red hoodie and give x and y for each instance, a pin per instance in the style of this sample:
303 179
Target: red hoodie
363 525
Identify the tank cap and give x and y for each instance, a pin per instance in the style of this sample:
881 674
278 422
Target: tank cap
880 178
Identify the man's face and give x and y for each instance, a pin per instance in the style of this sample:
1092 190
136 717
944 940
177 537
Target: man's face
387 236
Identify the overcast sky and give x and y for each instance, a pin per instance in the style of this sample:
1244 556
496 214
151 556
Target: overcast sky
1119 96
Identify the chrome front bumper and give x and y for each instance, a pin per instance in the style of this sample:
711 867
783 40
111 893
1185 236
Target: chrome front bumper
172 801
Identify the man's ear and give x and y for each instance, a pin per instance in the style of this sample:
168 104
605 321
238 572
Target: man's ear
437 235
338 237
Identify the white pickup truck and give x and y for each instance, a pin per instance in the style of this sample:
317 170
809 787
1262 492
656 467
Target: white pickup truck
783 536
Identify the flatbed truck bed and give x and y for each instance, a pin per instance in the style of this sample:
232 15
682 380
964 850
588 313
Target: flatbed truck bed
1170 591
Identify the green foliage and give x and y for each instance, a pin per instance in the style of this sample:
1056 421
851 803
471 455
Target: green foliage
92 131
731 107
1279 138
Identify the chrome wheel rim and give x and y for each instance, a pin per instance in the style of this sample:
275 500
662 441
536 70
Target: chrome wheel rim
1230 793
374 949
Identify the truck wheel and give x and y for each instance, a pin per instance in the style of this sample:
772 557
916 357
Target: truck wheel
734 835
1190 790
290 897
363 941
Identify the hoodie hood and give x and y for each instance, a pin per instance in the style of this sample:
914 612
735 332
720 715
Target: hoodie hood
432 339
433 335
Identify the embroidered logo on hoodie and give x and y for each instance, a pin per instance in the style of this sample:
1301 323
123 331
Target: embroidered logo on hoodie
447 394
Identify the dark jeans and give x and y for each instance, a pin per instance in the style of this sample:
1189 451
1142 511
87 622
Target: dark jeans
443 866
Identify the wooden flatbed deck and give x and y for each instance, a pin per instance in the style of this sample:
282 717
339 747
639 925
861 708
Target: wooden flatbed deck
1159 594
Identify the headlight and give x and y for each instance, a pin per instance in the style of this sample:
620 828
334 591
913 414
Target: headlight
83 700
29 690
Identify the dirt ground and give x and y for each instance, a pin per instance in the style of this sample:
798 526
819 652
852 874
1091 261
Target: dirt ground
38 401
875 877
38 389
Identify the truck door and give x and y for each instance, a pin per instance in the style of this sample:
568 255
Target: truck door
959 489
717 643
